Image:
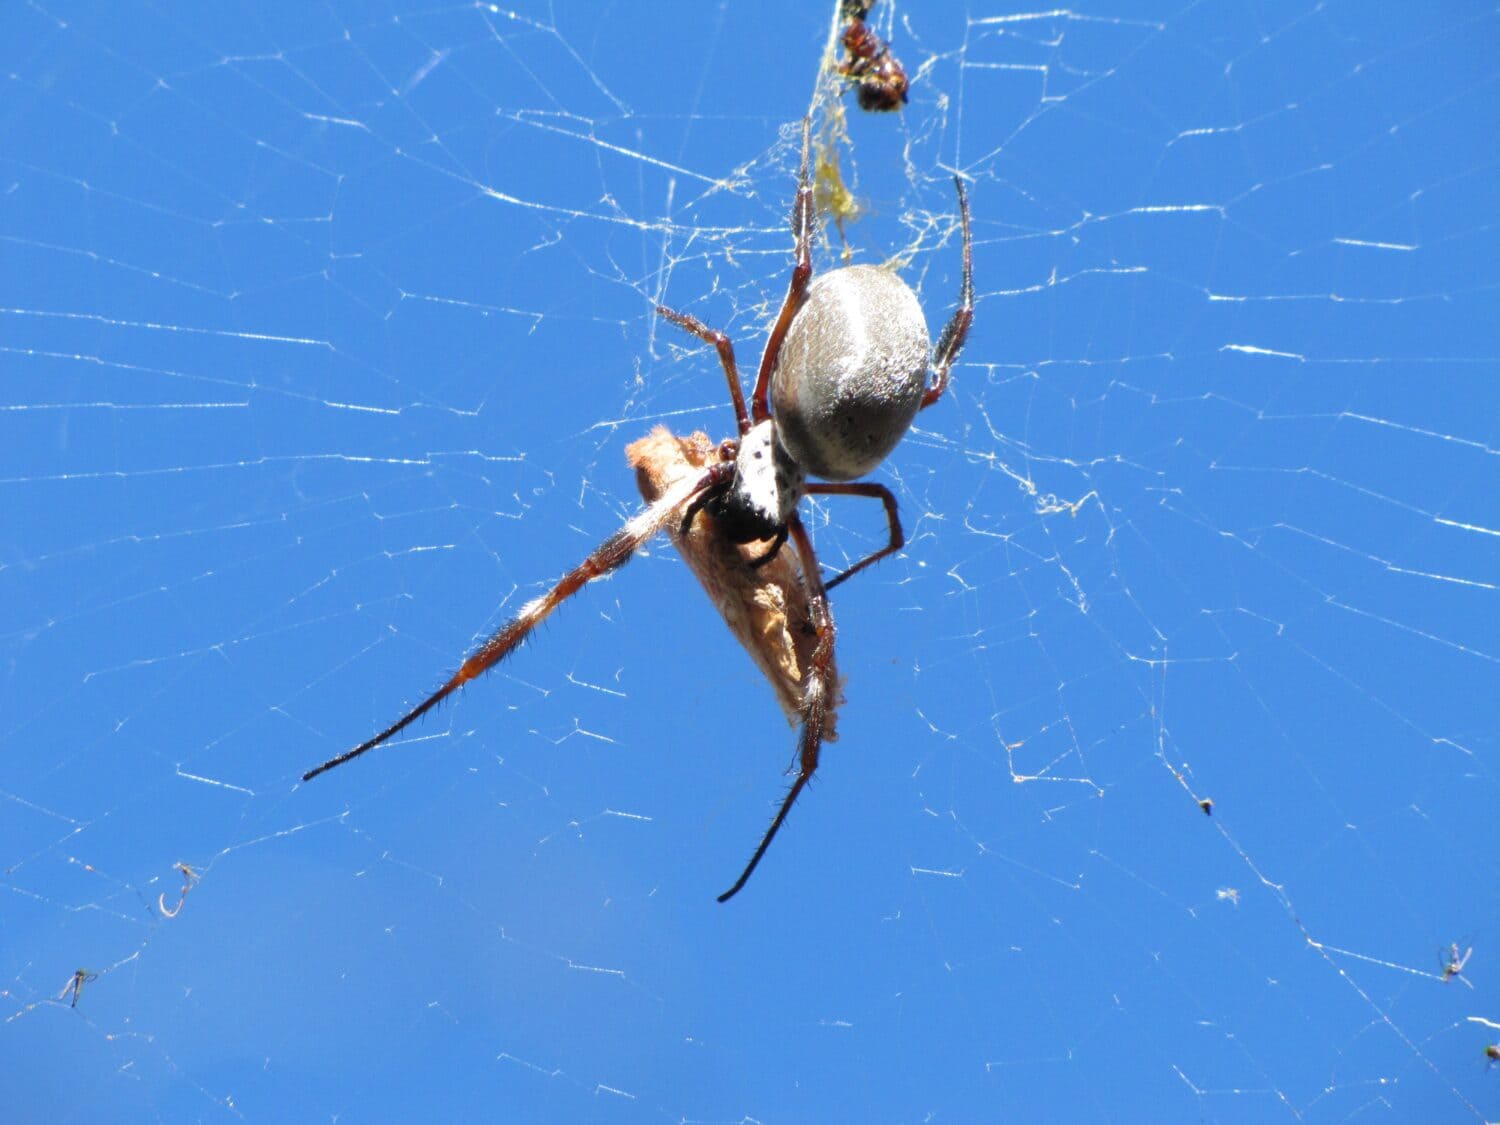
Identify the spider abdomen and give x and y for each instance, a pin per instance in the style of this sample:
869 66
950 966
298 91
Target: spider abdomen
851 373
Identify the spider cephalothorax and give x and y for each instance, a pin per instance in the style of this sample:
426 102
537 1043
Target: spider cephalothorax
846 368
758 499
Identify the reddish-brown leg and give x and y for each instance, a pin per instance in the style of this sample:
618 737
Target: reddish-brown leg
893 521
956 331
726 357
802 224
611 554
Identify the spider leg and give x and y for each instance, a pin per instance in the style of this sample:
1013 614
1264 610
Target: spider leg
802 226
892 518
776 545
613 553
712 489
819 690
726 357
957 329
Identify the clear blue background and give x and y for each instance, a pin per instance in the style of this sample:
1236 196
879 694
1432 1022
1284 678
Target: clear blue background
323 329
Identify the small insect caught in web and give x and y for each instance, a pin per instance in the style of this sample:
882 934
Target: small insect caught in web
1454 963
74 987
847 366
878 78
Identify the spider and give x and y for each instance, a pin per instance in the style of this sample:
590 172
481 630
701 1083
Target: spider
847 368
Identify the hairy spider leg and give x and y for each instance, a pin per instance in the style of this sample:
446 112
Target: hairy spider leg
818 694
699 503
770 552
802 223
893 521
725 348
613 553
956 331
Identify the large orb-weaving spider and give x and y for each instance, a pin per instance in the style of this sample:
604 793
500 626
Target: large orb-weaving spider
844 372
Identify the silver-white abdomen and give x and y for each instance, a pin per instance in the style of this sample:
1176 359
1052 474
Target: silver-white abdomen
851 373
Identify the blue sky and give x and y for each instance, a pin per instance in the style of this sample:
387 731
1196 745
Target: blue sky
324 332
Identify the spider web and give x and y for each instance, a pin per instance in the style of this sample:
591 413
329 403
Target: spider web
324 331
